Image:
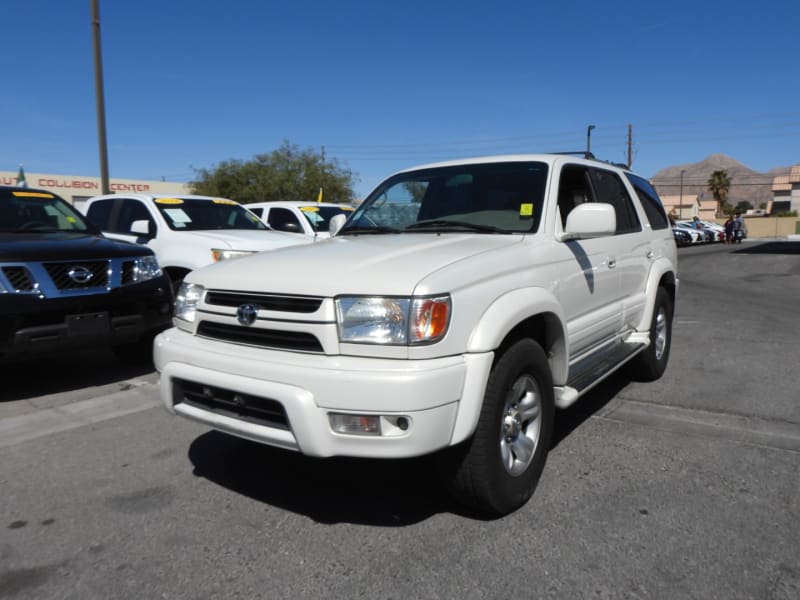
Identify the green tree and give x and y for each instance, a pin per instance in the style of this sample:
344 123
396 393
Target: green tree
743 206
719 184
288 173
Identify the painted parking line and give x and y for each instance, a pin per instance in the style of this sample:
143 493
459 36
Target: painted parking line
753 431
22 428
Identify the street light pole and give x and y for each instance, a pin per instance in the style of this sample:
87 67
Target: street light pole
589 139
101 106
680 206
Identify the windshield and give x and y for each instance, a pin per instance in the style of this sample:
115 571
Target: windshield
185 214
22 211
503 197
320 216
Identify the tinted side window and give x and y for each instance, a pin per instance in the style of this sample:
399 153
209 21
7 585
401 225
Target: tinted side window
651 203
130 211
573 189
609 188
283 219
99 213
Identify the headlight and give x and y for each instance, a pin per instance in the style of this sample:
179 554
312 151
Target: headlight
189 294
146 268
384 320
218 254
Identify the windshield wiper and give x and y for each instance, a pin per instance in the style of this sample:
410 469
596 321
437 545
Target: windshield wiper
376 229
445 225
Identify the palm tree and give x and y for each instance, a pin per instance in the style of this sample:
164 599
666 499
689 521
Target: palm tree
719 184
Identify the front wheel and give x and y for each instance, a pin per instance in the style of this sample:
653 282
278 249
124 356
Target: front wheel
651 363
497 470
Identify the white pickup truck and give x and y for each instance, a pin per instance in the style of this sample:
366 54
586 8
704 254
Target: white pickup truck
185 232
456 308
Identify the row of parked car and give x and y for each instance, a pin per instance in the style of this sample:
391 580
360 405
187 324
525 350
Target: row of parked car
114 266
691 232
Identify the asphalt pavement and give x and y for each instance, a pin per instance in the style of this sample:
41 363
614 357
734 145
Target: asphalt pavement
687 487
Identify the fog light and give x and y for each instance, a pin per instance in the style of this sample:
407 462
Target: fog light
355 424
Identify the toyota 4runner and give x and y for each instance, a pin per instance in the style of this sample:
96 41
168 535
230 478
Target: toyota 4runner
456 308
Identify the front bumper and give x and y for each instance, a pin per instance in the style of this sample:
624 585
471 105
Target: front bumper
31 325
239 389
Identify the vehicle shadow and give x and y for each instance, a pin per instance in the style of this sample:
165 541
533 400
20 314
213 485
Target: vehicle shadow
71 371
770 248
569 419
384 493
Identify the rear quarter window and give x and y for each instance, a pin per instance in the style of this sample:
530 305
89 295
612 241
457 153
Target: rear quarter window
651 203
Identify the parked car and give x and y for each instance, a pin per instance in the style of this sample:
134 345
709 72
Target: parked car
696 236
185 232
682 237
64 286
476 296
306 218
711 232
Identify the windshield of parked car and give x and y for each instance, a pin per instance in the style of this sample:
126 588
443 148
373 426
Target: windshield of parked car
184 214
501 197
37 211
319 216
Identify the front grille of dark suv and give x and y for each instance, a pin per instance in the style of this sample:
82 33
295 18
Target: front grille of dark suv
255 409
20 279
265 338
60 274
276 302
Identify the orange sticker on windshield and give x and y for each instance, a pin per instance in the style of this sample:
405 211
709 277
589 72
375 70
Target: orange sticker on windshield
224 201
526 210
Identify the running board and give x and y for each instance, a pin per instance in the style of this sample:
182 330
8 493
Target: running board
589 371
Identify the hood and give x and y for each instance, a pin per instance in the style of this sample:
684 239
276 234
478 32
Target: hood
64 245
375 264
254 240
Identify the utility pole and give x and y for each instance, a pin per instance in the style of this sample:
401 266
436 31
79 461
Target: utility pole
589 140
630 145
101 106
680 206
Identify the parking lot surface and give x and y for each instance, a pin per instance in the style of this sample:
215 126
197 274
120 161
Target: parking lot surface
687 487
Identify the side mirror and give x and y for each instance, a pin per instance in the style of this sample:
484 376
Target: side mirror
336 224
142 228
590 220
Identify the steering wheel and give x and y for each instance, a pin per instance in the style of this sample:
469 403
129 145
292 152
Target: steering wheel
33 225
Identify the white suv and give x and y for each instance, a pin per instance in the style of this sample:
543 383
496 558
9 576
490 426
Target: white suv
458 306
305 218
185 232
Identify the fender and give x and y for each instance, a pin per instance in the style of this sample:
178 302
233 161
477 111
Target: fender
514 307
660 267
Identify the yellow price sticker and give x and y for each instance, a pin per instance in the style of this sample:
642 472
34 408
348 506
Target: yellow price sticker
224 201
32 195
526 210
169 201
309 209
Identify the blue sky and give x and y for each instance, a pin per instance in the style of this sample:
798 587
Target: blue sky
385 86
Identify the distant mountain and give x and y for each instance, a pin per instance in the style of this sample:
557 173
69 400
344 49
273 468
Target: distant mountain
746 183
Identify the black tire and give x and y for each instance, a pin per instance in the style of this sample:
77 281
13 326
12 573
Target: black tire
496 471
651 363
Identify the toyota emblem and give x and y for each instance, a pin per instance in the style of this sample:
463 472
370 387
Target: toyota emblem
80 274
246 314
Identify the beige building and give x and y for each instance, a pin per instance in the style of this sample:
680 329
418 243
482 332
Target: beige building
78 188
786 192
